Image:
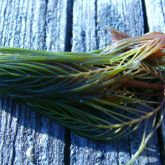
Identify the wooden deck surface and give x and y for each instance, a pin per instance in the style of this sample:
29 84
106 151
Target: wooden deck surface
70 25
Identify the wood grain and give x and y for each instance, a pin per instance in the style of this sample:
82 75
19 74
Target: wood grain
90 31
35 24
48 24
155 13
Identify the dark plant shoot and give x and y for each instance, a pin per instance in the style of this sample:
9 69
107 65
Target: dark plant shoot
101 95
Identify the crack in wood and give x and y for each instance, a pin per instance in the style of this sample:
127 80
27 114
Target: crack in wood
146 26
68 47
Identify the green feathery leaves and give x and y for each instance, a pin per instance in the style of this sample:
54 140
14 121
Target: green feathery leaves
95 94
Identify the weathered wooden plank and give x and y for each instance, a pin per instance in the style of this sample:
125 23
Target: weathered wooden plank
155 11
37 24
84 29
84 151
41 24
90 23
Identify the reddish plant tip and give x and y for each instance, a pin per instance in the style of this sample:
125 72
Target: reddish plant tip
159 38
151 36
117 35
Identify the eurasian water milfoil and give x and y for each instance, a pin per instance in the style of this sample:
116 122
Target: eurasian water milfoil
101 95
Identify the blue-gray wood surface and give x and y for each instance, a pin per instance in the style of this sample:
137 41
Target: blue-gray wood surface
70 25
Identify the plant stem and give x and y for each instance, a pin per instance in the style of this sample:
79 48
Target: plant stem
140 84
145 138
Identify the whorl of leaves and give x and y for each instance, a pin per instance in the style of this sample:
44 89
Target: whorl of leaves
102 95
